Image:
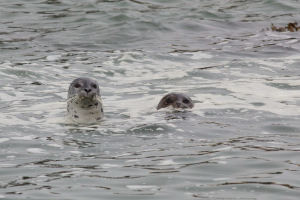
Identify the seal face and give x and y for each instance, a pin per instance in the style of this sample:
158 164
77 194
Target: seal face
84 101
175 100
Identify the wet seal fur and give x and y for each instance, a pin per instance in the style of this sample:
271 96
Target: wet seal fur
175 100
84 101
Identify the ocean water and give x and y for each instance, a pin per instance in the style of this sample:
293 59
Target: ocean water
240 141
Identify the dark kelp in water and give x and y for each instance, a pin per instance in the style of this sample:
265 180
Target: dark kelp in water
292 27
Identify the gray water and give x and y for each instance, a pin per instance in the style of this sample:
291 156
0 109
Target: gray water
240 141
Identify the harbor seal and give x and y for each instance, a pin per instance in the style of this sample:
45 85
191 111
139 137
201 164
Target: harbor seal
84 101
176 100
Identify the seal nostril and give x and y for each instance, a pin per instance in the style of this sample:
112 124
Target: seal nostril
178 105
87 90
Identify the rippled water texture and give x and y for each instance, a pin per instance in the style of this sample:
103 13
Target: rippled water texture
240 141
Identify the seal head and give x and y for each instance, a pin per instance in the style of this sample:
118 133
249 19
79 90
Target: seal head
176 100
84 101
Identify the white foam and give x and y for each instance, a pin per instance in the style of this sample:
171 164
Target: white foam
142 187
107 166
292 41
56 145
53 57
10 157
171 125
3 140
200 55
36 151
246 91
224 149
27 137
133 160
139 74
7 165
221 179
265 133
167 162
76 152
221 157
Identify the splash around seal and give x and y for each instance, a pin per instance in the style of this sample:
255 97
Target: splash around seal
84 103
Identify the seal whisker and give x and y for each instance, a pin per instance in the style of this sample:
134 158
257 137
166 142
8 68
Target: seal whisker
72 99
99 99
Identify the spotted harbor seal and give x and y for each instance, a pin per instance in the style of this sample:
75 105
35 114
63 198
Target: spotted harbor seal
84 101
175 100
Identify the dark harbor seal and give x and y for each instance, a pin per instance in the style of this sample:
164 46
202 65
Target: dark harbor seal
84 101
176 100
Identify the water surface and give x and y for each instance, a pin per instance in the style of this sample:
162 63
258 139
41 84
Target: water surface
240 141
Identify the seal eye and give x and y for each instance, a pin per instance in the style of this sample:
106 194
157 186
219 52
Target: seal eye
94 86
77 85
169 101
186 101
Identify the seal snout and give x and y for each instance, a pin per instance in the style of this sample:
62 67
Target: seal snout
87 94
178 104
87 90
